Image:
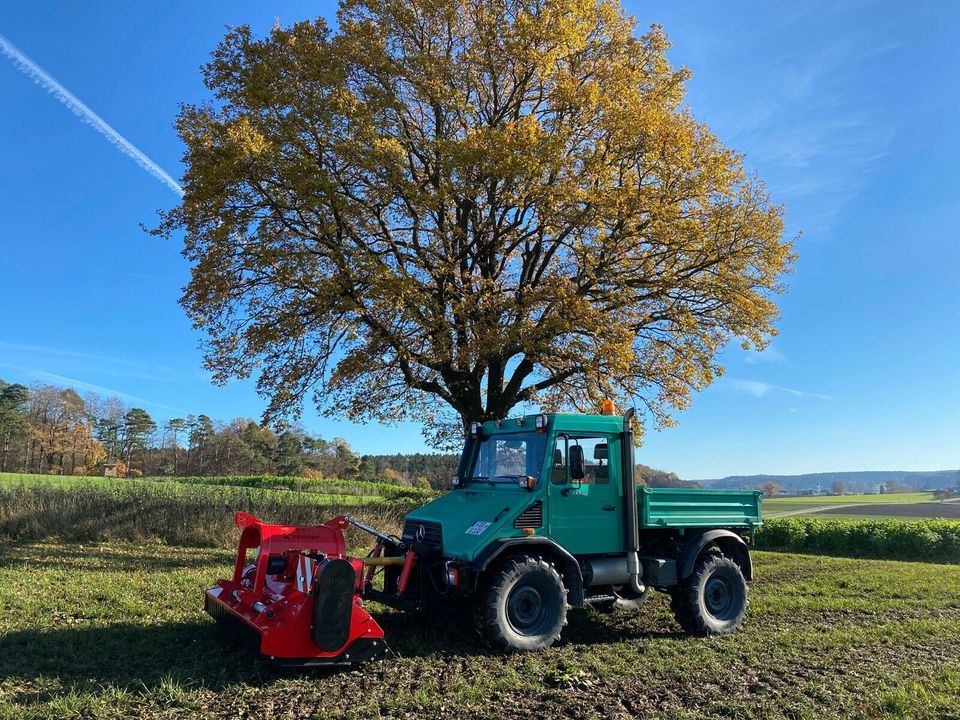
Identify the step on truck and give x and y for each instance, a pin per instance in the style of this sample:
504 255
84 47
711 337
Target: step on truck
544 515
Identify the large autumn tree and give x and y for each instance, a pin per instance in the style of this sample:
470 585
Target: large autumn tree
448 208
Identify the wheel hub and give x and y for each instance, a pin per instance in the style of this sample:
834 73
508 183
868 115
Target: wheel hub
718 596
525 607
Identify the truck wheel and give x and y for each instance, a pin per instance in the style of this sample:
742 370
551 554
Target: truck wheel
626 599
524 606
713 600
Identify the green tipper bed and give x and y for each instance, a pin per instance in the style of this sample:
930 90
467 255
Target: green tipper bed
686 508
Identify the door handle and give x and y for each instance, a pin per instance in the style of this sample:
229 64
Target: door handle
609 508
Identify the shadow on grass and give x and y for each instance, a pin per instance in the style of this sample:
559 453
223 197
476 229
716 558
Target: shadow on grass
200 655
133 656
452 632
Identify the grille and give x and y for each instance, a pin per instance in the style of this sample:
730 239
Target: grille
532 517
432 535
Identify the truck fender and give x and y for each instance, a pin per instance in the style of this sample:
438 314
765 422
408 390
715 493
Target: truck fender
565 562
729 543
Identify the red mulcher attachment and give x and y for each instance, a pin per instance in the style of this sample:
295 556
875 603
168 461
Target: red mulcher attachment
297 602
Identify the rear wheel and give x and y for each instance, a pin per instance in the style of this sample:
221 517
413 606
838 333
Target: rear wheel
713 600
524 606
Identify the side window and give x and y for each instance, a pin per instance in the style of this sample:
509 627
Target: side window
596 461
558 475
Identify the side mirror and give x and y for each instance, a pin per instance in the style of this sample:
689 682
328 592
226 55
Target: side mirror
575 456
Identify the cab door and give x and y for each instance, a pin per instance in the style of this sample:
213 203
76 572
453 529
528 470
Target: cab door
586 513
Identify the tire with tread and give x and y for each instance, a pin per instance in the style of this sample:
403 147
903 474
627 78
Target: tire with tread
523 606
713 600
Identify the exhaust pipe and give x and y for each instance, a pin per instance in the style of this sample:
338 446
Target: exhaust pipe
631 529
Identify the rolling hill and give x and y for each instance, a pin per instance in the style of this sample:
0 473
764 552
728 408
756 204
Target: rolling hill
865 481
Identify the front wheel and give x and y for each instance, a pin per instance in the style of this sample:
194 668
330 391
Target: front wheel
713 600
524 606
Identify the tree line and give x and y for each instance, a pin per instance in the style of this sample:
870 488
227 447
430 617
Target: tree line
54 430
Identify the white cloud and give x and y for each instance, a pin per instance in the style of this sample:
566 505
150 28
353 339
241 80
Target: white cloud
36 73
770 355
756 388
82 385
806 119
36 356
752 387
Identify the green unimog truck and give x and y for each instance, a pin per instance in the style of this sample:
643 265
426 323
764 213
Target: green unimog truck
545 513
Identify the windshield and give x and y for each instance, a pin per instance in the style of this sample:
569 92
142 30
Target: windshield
505 458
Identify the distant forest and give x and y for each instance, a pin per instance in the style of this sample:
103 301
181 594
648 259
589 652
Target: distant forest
54 430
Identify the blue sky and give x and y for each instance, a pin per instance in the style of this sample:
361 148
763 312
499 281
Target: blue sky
848 111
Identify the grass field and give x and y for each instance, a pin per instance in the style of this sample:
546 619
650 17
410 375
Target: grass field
117 630
102 628
776 506
346 492
945 510
863 507
874 515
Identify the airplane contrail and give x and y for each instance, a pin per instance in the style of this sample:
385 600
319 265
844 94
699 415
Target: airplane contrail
36 73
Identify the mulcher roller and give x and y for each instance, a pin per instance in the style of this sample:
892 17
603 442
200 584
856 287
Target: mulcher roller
295 596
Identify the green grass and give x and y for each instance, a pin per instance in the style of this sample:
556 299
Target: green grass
841 499
353 486
147 512
774 506
117 630
857 517
182 511
356 486
101 628
176 486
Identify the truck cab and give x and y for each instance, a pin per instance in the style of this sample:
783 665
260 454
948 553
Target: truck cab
545 513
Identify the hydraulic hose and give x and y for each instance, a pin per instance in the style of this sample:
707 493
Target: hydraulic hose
382 536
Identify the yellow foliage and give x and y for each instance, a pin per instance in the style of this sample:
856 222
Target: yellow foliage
247 140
